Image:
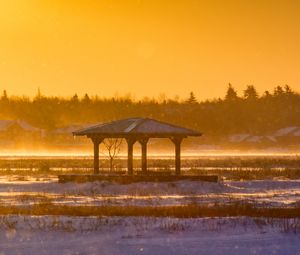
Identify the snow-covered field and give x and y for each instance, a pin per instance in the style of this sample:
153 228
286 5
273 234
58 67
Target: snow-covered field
26 190
64 235
141 235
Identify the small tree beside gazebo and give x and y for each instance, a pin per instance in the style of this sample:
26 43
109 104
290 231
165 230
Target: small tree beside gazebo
113 147
136 130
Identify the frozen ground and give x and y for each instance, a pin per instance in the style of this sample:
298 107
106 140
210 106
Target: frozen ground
140 235
52 235
21 190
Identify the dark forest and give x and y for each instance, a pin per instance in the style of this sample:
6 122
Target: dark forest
250 113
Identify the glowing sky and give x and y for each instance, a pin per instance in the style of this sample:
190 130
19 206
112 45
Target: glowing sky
148 47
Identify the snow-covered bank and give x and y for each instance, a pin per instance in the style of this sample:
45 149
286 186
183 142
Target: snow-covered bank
49 235
27 191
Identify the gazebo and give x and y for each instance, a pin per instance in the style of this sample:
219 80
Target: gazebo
136 130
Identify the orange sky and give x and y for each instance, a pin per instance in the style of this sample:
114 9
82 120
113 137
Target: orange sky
148 47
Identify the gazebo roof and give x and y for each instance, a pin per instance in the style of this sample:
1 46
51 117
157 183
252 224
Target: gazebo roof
136 127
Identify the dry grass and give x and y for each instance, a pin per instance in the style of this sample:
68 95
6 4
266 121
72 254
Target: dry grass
185 211
234 168
249 174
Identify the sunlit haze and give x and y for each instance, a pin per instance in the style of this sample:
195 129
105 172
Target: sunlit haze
147 47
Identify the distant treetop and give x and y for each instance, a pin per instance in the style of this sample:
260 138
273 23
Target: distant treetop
192 98
231 93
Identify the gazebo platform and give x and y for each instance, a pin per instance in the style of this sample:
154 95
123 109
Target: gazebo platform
125 179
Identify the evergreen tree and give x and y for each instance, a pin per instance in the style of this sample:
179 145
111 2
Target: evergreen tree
267 93
4 96
278 91
231 93
86 98
75 98
262 116
287 89
192 98
250 93
38 94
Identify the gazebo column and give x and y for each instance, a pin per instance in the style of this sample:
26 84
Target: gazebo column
177 142
143 143
130 143
96 141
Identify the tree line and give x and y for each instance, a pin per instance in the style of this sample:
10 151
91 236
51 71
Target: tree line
249 113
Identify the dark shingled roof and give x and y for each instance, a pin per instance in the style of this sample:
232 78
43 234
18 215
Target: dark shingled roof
135 127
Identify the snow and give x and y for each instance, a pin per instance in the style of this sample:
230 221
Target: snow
30 190
49 235
254 139
271 138
5 124
285 131
237 138
297 132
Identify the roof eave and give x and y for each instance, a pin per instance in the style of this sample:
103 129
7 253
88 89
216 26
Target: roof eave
78 134
153 135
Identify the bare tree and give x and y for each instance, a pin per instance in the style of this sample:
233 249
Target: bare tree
113 146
